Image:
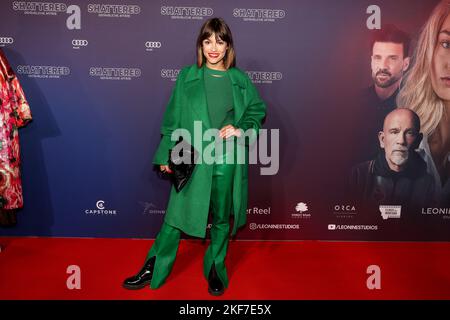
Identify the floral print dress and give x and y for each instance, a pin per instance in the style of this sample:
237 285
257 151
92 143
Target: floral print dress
14 113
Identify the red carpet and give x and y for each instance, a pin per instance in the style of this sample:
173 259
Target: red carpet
35 268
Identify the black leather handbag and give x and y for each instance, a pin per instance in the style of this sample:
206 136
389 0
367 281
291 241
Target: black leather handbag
182 170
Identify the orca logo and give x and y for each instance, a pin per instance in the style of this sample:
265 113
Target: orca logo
153 44
79 43
344 208
6 40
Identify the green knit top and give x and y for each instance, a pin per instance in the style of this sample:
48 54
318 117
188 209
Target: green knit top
219 97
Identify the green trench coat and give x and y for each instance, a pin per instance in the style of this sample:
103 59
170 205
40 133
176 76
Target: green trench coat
188 210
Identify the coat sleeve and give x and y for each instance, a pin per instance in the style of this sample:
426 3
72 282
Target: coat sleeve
170 122
255 112
21 108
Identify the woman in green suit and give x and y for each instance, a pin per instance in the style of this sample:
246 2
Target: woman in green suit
212 94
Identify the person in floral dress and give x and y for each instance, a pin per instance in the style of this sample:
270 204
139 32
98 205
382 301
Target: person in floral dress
14 113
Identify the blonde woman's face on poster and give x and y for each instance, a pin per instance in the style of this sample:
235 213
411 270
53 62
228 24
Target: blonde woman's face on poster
440 78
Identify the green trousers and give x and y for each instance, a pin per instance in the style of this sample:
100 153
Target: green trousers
166 244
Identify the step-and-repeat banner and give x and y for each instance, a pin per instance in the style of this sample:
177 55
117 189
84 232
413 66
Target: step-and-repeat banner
98 76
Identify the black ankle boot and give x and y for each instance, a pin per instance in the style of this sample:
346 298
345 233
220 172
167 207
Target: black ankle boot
143 278
215 285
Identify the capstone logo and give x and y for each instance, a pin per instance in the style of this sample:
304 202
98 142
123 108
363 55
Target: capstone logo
6 41
152 45
50 72
115 73
114 10
186 13
390 212
171 74
100 204
78 43
39 8
256 226
264 76
259 15
100 210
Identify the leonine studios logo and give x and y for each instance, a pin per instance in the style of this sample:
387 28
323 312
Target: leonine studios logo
259 15
437 212
186 13
101 210
353 227
273 226
264 76
50 72
4 41
114 10
115 73
171 74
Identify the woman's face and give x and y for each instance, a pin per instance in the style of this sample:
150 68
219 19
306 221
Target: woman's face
214 52
440 78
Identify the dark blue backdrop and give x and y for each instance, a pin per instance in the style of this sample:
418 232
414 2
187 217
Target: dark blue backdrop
90 145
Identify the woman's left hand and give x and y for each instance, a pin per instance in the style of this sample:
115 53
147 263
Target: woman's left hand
229 131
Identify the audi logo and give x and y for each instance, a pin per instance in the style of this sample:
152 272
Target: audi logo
6 40
153 44
79 43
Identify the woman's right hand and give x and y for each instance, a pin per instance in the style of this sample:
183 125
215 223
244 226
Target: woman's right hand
165 168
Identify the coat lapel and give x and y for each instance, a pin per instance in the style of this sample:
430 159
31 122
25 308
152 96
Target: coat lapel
238 92
195 92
